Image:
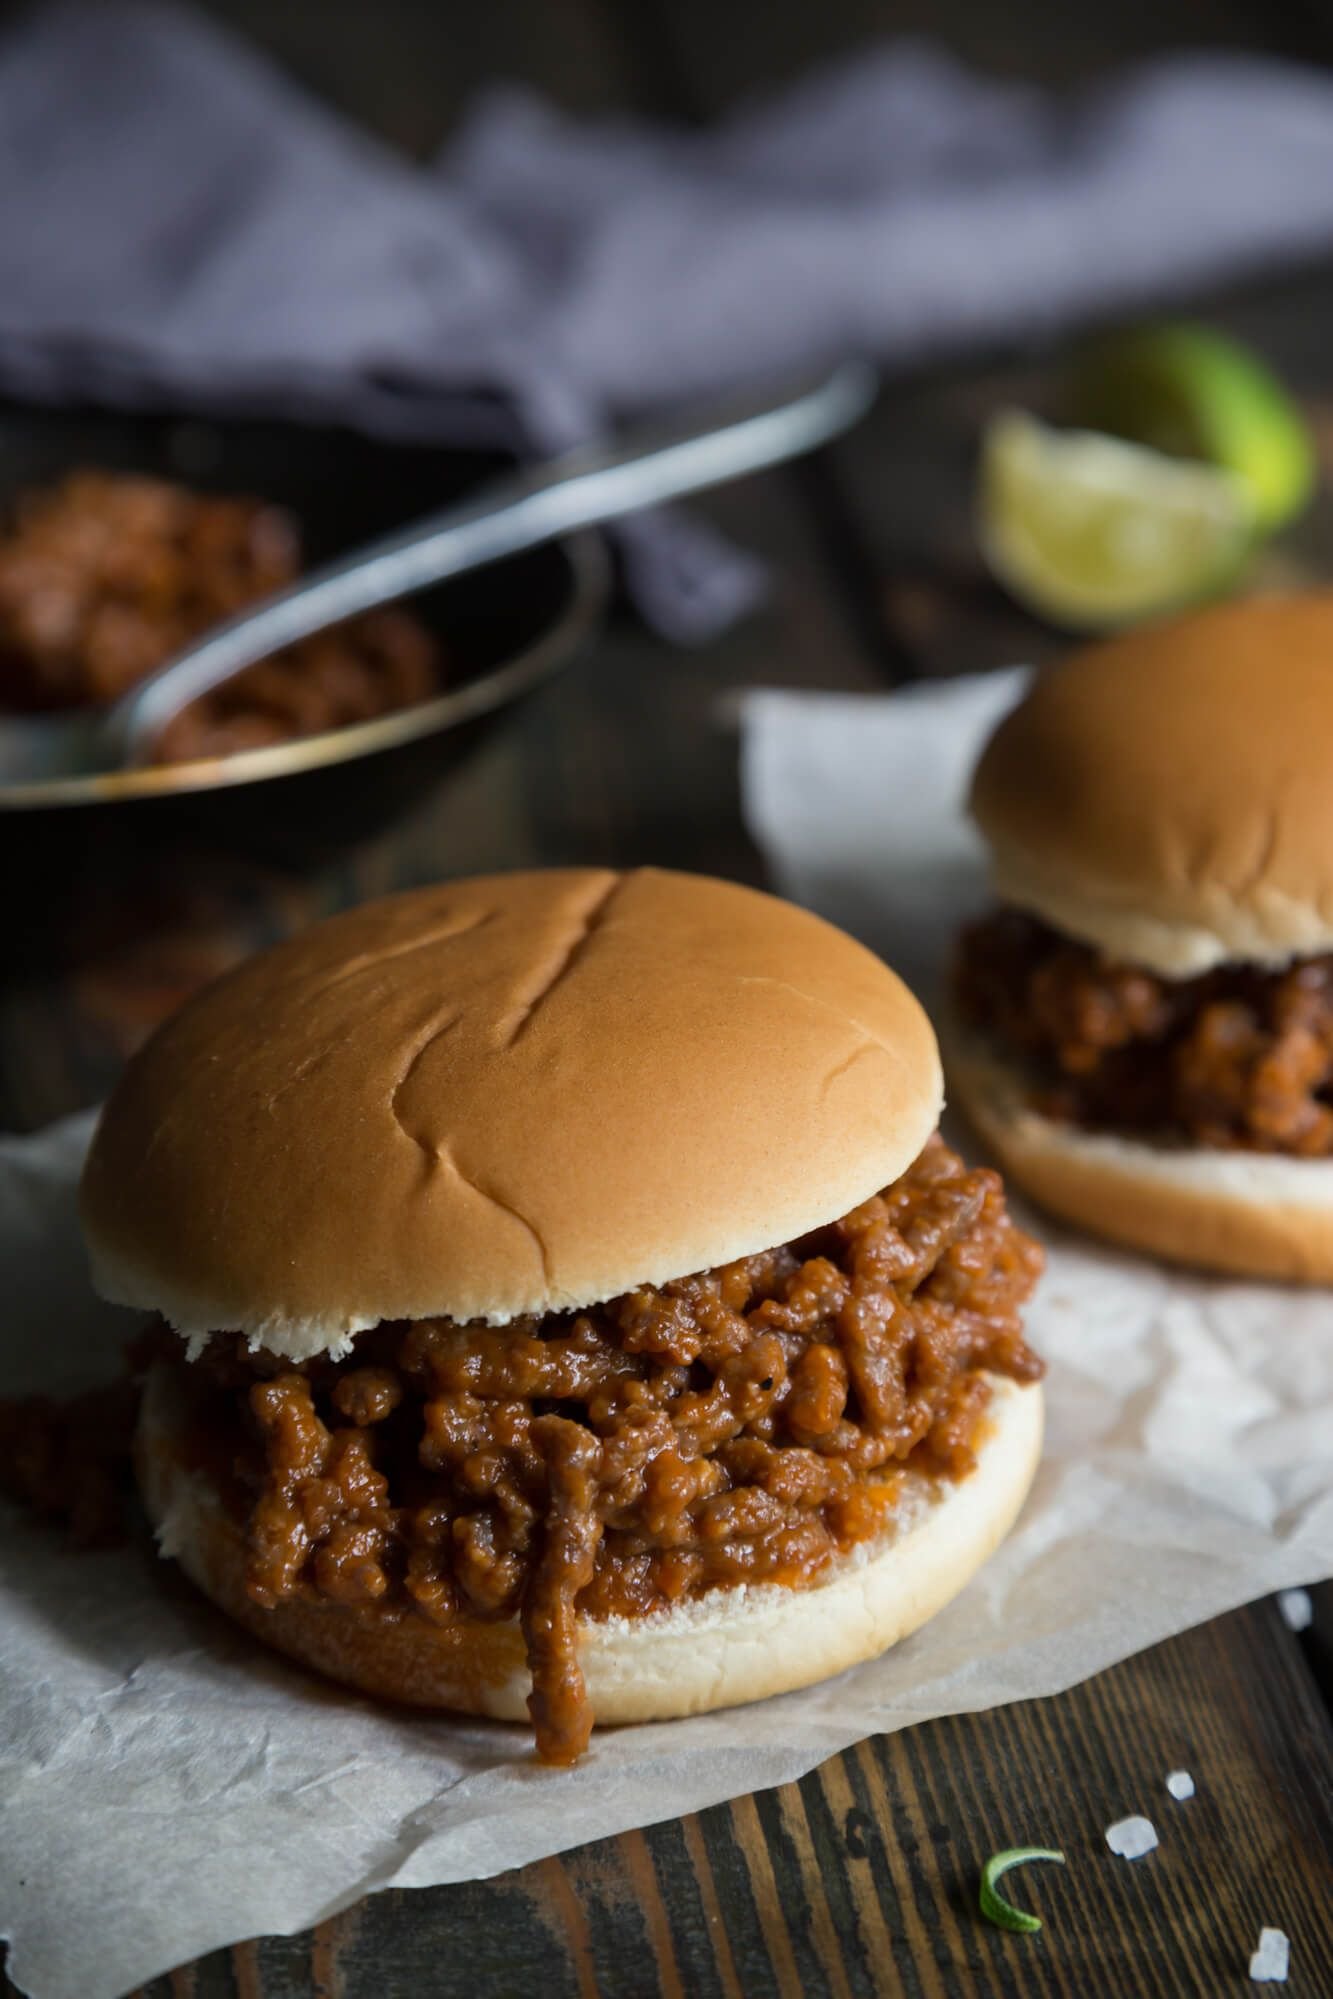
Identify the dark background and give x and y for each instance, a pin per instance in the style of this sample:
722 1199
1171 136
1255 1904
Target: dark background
406 67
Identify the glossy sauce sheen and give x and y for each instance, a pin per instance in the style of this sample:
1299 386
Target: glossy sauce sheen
742 1425
1239 1057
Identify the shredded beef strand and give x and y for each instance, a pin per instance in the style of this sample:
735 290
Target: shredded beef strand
559 1705
744 1424
1239 1057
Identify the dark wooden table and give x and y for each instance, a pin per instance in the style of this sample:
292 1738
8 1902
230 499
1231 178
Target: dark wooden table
862 1878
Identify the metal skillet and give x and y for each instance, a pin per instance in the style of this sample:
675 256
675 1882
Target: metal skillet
99 755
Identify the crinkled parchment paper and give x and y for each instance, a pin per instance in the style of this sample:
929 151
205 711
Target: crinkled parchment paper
165 1787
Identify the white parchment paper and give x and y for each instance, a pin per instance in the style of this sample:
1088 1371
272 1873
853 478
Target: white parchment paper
166 1787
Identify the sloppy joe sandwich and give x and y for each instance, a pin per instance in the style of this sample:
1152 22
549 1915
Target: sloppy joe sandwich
1147 1019
567 1303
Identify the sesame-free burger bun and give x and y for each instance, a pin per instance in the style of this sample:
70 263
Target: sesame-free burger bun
1167 794
1249 1214
731 1645
514 1094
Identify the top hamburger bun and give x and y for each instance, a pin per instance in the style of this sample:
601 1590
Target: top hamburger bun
1167 795
515 1094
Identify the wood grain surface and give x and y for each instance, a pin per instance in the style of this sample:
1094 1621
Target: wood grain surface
862 1879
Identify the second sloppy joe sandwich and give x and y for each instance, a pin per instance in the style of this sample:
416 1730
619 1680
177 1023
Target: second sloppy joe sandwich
572 1307
1148 1017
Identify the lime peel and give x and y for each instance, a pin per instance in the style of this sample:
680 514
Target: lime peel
1193 390
993 1905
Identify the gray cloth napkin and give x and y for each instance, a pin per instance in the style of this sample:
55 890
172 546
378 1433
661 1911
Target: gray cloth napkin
182 225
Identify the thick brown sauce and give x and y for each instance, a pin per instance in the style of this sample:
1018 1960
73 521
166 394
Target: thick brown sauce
1238 1057
742 1425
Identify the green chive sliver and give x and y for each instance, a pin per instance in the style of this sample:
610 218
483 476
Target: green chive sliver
993 1905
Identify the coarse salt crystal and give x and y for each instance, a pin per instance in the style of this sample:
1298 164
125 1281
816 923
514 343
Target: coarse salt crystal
1297 1609
1131 1838
1268 1966
1180 1784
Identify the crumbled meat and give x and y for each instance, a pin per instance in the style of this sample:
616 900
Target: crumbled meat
372 666
741 1425
1239 1057
70 1460
106 575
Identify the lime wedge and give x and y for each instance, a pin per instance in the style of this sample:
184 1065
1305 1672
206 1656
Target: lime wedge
1090 532
1196 393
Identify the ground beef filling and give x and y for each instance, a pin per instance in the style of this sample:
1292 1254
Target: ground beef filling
69 1461
1238 1057
742 1425
106 575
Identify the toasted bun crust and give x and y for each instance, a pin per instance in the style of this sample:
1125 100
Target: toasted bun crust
520 1093
1167 795
1249 1214
729 1646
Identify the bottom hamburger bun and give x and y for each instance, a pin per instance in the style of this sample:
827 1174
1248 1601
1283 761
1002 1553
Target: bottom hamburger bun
1248 1214
716 1651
